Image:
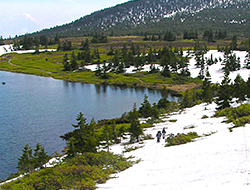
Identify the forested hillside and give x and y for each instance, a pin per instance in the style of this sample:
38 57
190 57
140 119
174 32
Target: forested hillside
158 16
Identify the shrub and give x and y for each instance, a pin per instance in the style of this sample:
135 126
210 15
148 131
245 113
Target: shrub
204 117
180 138
239 115
80 172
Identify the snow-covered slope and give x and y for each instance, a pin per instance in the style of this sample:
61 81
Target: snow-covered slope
219 161
216 162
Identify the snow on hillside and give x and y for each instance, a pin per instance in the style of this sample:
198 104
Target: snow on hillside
215 70
219 161
215 162
9 49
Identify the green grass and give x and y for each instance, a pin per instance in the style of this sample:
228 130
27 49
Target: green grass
81 172
49 64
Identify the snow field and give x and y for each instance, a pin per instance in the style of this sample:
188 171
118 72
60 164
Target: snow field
219 161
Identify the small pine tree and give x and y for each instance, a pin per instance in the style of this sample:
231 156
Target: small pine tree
145 109
247 60
207 92
74 64
25 161
40 156
225 93
239 88
83 138
135 127
66 65
248 87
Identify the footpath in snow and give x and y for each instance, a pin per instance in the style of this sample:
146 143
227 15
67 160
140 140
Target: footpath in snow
219 161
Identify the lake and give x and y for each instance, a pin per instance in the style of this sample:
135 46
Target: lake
36 109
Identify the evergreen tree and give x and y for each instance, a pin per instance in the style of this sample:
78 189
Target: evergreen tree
233 45
116 59
87 55
83 138
169 36
96 54
239 88
59 47
66 45
85 45
247 60
208 35
56 39
248 87
65 62
120 68
145 109
74 64
201 74
25 162
135 128
207 92
1 40
231 62
40 156
111 51
225 93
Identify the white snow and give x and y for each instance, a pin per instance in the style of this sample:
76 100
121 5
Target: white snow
219 161
9 49
215 70
215 162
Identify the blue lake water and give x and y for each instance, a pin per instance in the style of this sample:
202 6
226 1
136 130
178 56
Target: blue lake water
37 109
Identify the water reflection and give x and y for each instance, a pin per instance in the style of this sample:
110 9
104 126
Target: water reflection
38 110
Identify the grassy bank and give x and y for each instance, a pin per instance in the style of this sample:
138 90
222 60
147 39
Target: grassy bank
49 64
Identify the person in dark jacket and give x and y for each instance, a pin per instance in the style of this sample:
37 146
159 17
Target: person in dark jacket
163 133
158 135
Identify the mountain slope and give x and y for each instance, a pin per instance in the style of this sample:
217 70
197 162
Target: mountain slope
161 15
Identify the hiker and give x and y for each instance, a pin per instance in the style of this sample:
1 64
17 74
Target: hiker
163 133
158 135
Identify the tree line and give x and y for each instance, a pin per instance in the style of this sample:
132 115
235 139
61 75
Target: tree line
171 59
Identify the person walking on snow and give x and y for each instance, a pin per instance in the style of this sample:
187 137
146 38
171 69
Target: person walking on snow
158 135
163 133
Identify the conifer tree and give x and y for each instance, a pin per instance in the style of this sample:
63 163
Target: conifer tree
239 88
201 75
233 45
74 64
163 102
225 93
1 40
207 92
135 127
111 51
25 161
40 156
66 65
248 87
83 138
247 60
145 109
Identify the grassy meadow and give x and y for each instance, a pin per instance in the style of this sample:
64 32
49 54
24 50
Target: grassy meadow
49 64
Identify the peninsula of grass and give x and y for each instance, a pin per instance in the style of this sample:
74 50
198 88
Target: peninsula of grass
50 64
